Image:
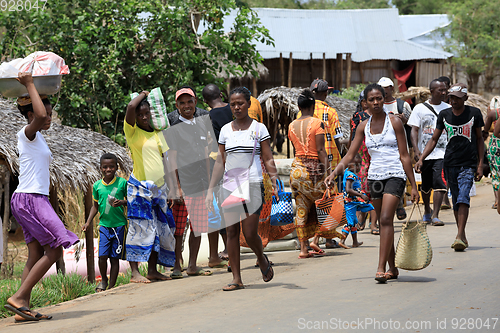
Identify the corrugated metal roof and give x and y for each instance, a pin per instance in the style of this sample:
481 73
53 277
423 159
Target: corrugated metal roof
418 25
366 33
423 29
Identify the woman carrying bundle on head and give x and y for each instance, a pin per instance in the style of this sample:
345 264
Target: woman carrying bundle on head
307 176
44 232
390 164
241 144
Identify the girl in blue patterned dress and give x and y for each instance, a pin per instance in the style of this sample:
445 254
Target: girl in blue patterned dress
355 199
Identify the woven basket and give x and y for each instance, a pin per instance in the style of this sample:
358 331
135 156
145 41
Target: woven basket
414 250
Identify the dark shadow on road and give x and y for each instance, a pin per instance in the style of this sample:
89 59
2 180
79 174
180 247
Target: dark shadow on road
273 285
409 278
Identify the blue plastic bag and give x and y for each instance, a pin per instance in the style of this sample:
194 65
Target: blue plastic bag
281 209
214 219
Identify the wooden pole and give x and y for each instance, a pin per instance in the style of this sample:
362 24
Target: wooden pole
89 237
254 88
282 70
361 73
311 78
324 66
6 216
60 265
348 75
290 71
332 68
338 74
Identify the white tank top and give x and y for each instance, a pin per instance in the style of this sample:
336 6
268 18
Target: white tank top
385 160
34 161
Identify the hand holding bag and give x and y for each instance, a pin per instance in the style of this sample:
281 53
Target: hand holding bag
282 207
330 210
237 181
414 250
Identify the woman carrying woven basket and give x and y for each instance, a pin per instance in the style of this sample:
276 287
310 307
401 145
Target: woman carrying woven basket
44 232
390 164
308 172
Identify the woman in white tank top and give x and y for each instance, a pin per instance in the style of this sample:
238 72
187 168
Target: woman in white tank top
390 164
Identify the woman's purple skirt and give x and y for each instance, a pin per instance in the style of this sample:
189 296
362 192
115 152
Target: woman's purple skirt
39 221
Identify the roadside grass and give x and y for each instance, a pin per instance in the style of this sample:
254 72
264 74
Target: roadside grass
56 288
49 291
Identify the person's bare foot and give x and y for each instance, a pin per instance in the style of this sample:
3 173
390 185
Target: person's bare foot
223 255
157 276
217 263
357 244
342 245
139 279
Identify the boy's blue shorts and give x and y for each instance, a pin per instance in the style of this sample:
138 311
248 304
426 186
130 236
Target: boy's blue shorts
111 242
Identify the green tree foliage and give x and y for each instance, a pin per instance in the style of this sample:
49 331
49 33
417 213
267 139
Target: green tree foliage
475 39
411 7
114 48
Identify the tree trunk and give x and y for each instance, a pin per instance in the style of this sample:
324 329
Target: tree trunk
472 81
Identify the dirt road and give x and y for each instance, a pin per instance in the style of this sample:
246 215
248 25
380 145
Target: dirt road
337 292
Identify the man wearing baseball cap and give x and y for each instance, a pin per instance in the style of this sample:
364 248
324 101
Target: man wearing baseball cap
322 111
463 159
188 157
333 131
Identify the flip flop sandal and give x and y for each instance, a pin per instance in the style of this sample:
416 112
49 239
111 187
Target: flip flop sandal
318 253
375 232
437 222
19 311
427 218
269 268
38 315
401 213
257 264
222 264
201 272
381 277
459 245
445 206
390 276
494 206
236 286
176 275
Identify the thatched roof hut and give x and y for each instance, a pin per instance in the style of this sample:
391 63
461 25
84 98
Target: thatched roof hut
421 94
279 106
76 151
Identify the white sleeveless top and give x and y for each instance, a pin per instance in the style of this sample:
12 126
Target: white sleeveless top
385 160
34 161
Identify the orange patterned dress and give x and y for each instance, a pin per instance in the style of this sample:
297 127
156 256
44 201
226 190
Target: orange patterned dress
307 177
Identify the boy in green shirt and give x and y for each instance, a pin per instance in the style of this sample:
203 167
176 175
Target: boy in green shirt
109 196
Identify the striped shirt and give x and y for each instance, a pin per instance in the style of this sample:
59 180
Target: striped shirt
239 147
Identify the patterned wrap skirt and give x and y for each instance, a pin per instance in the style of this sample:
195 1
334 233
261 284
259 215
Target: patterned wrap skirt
494 160
307 183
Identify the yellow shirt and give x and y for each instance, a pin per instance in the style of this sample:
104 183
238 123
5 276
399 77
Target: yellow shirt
255 110
333 131
147 149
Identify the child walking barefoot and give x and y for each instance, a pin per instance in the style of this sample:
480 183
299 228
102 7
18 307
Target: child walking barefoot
354 200
109 194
